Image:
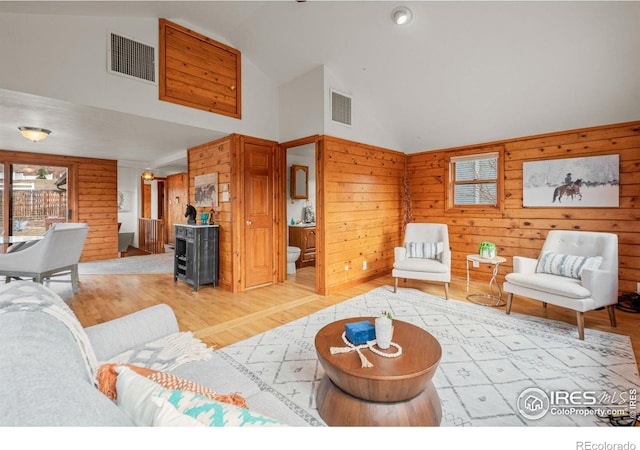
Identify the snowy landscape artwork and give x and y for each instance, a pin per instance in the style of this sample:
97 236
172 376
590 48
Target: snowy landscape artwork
574 182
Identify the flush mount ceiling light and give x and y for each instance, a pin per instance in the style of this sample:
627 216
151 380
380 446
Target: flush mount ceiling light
34 134
147 175
401 15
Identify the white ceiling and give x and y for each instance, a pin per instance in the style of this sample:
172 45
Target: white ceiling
459 73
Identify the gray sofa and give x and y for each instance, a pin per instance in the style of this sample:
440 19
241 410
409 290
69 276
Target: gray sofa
44 380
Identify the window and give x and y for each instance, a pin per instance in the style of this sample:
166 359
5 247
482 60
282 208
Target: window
37 197
474 180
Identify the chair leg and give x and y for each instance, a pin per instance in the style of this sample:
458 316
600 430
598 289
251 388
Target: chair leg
74 279
612 315
509 300
446 291
395 285
580 320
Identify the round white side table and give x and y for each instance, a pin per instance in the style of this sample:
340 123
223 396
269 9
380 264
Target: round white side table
490 299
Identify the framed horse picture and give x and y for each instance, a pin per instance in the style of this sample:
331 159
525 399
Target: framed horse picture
588 182
206 190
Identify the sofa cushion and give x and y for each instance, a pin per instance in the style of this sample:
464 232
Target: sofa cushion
43 377
108 374
427 250
215 414
145 402
421 265
567 265
564 286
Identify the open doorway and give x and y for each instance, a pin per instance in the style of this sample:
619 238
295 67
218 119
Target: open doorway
302 249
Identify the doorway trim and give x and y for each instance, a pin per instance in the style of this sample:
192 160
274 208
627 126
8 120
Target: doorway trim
320 238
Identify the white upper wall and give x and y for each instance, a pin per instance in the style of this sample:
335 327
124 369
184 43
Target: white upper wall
301 106
65 57
365 126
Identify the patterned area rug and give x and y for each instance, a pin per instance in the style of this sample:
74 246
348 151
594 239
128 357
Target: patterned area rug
489 359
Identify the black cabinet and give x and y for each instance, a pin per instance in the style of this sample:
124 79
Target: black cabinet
196 260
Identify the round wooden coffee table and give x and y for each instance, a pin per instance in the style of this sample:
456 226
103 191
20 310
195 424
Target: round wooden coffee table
394 392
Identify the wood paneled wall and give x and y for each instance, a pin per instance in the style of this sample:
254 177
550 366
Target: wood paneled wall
177 197
359 209
93 197
521 231
207 158
198 72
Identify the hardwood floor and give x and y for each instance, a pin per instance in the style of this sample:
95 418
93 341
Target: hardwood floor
221 318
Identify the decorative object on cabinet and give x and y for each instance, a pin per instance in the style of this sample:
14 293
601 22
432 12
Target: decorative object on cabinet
299 182
305 239
196 254
191 213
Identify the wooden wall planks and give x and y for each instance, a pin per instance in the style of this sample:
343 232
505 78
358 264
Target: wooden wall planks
362 211
521 231
216 156
198 72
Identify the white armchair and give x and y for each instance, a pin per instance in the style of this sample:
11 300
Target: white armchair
577 270
56 254
425 256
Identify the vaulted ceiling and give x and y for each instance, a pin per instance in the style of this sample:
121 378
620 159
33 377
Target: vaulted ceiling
458 73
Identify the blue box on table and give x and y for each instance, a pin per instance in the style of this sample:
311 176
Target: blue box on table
360 332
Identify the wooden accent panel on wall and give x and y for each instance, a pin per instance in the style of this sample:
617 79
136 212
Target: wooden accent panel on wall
361 211
207 158
199 72
521 231
177 199
98 206
93 197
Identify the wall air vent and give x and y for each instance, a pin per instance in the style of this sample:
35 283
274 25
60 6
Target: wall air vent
340 108
131 58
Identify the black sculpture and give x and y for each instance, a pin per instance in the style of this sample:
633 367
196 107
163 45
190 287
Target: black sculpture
191 214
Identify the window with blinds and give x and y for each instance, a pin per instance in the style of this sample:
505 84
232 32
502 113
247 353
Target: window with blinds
474 179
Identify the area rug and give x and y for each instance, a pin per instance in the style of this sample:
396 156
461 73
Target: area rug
488 360
158 263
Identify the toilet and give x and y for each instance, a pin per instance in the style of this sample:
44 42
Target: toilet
293 253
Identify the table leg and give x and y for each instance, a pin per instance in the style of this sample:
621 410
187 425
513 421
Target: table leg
493 282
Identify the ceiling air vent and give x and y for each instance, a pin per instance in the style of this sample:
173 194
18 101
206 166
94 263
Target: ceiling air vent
131 58
340 108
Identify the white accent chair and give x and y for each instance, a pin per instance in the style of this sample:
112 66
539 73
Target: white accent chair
561 282
426 268
56 254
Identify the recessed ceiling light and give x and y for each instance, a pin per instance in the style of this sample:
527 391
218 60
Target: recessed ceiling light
401 15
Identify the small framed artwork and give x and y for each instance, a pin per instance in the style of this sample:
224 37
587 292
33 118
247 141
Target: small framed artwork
206 187
124 201
587 182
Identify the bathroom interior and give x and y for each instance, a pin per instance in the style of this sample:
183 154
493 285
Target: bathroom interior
301 196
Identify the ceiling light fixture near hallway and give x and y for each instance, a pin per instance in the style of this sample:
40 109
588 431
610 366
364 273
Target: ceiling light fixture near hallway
34 134
147 175
401 15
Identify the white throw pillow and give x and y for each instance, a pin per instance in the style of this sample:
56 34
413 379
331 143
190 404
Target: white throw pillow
567 265
425 250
